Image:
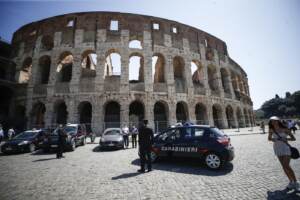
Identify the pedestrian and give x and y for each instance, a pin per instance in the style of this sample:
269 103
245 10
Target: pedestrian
262 126
292 126
278 134
134 133
11 133
125 132
1 134
145 143
62 136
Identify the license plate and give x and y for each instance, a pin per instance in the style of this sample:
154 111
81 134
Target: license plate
54 146
111 144
8 148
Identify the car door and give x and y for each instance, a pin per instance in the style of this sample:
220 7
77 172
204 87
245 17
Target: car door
200 141
175 143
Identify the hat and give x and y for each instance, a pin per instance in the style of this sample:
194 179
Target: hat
275 118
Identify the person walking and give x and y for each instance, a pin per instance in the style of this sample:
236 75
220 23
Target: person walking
278 134
1 134
134 133
125 132
61 141
11 133
145 142
262 126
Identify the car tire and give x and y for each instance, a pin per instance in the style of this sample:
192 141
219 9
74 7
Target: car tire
213 161
72 145
31 148
153 157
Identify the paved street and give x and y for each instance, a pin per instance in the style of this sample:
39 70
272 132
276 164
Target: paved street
89 174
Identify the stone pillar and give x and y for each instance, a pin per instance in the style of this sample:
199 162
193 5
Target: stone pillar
147 42
72 111
170 75
210 115
99 79
76 72
124 112
48 117
97 117
149 115
224 118
172 113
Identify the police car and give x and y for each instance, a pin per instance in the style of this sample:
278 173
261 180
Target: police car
205 142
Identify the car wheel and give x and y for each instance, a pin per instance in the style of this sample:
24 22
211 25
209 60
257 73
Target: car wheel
73 145
31 148
153 156
213 161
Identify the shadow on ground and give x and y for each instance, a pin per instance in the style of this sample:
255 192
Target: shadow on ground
44 159
187 166
98 149
283 194
126 175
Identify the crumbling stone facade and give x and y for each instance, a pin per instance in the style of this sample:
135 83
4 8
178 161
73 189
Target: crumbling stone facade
185 74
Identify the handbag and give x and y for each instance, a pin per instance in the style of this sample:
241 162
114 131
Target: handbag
294 152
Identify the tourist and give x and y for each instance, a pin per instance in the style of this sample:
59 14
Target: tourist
262 126
145 142
278 134
1 134
125 132
10 133
134 133
62 136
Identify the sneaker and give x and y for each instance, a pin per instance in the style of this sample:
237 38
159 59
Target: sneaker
141 170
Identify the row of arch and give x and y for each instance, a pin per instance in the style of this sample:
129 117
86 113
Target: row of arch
136 111
112 67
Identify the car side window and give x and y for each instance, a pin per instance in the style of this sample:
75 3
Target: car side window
199 132
188 133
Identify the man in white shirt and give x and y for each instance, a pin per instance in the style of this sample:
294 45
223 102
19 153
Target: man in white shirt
1 134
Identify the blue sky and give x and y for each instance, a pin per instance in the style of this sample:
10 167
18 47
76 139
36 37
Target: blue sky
263 36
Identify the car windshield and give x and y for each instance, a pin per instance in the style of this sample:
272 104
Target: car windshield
217 132
112 132
165 135
67 129
26 135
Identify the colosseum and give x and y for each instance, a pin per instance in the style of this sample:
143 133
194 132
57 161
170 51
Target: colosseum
107 69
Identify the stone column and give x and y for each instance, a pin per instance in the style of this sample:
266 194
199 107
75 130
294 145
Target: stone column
97 116
224 118
48 117
124 82
147 62
72 111
172 113
170 75
76 72
124 112
99 79
210 115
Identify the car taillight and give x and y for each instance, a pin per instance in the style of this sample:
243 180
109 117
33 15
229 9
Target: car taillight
224 141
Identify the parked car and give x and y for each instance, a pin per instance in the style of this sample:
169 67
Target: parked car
196 141
76 134
112 138
26 141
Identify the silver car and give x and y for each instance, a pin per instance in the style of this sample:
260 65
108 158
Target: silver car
112 138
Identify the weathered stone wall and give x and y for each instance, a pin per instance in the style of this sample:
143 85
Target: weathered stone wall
90 31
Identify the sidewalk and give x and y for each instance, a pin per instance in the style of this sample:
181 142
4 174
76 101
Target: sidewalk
244 131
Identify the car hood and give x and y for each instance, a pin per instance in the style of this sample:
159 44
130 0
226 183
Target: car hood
112 137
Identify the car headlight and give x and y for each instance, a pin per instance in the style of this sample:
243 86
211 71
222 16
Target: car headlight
23 143
102 140
120 139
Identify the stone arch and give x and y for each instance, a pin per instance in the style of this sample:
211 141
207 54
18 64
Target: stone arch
112 111
47 43
234 81
179 78
136 68
60 112
182 112
112 65
25 72
225 77
161 112
218 116
136 112
44 69
240 117
85 111
197 73
230 116
212 77
201 114
64 67
88 63
135 44
37 115
158 68
20 118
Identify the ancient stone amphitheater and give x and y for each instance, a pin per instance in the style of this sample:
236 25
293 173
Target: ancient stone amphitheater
107 69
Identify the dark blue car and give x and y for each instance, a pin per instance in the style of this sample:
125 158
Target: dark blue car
26 141
204 142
